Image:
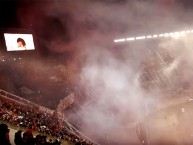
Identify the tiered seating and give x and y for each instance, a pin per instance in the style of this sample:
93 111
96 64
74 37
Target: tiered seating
29 118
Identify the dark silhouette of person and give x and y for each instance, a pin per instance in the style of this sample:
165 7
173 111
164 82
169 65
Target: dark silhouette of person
21 43
38 140
18 138
4 135
28 138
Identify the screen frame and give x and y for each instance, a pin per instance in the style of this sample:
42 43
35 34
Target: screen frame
19 42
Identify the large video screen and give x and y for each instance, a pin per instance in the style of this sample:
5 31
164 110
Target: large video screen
19 42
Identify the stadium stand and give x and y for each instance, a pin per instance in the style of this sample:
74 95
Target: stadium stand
34 118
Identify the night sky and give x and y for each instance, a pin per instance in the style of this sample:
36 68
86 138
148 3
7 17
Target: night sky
10 9
8 13
33 14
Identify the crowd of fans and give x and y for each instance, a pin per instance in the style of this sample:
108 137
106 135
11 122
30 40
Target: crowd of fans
24 138
44 123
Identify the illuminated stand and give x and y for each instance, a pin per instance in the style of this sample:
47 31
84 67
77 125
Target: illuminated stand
157 80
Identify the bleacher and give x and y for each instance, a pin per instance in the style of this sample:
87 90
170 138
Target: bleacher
26 115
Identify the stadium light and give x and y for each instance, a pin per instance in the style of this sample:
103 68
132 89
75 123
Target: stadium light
130 39
140 37
155 36
149 36
188 31
119 40
166 35
161 35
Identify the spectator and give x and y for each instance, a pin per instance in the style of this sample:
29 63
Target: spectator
18 138
28 138
4 135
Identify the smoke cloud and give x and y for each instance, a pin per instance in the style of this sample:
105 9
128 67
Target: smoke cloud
82 32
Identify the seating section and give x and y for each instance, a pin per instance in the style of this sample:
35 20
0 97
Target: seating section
33 120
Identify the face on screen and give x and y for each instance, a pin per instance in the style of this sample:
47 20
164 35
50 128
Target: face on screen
21 43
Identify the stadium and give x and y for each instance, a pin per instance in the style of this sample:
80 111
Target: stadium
114 72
